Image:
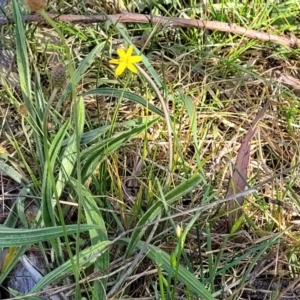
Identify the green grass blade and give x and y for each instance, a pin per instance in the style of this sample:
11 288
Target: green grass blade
183 275
22 57
93 156
90 136
12 218
47 186
238 259
94 217
47 191
157 207
111 92
67 165
12 173
85 64
86 258
56 144
12 237
13 261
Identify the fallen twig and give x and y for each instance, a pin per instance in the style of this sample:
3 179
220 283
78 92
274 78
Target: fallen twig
126 17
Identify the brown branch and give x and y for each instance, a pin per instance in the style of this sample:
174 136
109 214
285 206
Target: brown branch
125 17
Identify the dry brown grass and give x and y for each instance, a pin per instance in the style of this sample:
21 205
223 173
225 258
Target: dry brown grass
227 84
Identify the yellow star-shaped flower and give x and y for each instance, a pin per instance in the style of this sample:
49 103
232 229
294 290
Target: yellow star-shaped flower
126 60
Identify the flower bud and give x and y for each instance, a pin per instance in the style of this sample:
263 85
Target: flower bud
35 5
178 231
58 76
23 110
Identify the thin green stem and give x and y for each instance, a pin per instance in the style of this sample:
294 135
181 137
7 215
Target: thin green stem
168 122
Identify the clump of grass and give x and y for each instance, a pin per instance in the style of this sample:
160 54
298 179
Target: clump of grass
117 165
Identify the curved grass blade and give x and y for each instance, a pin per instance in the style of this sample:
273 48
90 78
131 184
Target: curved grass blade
111 92
12 237
157 207
260 249
47 186
95 154
85 64
12 173
86 258
13 261
69 156
12 218
94 217
183 275
56 144
88 137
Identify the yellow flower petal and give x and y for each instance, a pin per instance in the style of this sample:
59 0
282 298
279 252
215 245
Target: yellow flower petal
132 68
126 60
120 69
129 51
135 59
115 61
121 53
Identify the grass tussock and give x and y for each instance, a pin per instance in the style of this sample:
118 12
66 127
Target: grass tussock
178 182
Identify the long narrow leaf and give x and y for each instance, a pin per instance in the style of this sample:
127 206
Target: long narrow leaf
100 150
85 64
22 56
156 208
47 188
11 237
12 173
127 95
56 144
15 259
70 153
183 275
87 257
94 217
